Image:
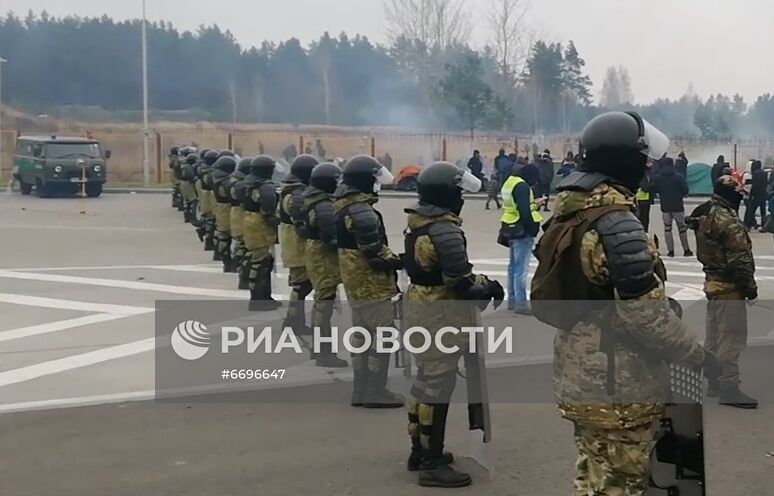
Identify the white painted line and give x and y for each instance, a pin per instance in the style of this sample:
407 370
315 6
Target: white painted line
36 301
688 294
62 325
701 275
85 228
36 371
103 267
80 401
114 283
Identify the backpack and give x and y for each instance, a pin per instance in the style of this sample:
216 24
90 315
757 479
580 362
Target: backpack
560 294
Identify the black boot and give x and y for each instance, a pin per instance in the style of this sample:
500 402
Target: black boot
415 459
244 274
261 299
713 388
209 243
187 213
377 395
296 316
200 232
217 253
435 469
326 358
733 396
360 382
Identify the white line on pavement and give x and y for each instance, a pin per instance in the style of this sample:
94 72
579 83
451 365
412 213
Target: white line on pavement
85 228
36 301
76 361
115 283
62 325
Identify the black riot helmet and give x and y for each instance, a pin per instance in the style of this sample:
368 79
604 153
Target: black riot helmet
441 184
326 177
225 153
618 144
203 152
244 166
366 174
302 166
191 159
226 164
174 151
211 157
263 166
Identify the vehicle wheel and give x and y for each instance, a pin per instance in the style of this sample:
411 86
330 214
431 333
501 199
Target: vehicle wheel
93 190
25 188
43 190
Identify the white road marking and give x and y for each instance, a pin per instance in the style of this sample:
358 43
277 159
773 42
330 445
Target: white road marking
62 325
65 364
36 301
115 283
85 228
80 401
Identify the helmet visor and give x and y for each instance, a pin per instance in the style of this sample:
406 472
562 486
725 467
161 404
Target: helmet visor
656 142
469 182
383 176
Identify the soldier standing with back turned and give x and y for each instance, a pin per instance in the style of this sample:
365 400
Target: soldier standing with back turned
601 283
725 250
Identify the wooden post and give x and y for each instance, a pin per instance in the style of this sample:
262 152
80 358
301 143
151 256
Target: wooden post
444 149
230 141
736 149
516 144
159 170
300 144
373 147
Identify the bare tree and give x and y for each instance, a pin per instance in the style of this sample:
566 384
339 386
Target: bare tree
510 39
617 88
435 23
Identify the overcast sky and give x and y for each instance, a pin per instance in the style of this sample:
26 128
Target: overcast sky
718 45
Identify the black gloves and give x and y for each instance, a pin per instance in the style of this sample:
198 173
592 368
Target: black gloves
488 291
385 265
273 221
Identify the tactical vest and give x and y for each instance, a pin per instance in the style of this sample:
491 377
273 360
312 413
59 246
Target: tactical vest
250 185
284 215
417 274
346 239
218 186
511 214
311 230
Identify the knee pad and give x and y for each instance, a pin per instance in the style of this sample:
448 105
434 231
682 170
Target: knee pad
435 388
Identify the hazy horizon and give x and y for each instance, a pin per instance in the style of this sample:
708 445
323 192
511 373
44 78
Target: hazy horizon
665 45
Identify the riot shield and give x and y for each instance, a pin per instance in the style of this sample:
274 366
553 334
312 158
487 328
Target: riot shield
677 463
479 416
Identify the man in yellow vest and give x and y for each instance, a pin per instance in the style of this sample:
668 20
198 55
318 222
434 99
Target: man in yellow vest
520 227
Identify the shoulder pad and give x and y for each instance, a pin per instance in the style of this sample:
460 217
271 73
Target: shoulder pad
449 242
629 261
365 224
582 181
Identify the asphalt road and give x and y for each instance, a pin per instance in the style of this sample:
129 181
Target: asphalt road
78 285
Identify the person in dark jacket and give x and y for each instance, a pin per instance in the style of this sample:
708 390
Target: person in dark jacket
520 225
644 197
568 166
503 166
757 199
681 164
671 188
717 168
476 166
546 167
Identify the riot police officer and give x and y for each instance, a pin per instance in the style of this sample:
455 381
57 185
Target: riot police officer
174 165
322 258
292 243
207 199
259 200
617 329
187 172
368 272
237 216
220 174
442 279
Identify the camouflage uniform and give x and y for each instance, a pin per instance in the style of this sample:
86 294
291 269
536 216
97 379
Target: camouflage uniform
174 166
322 258
260 233
222 210
611 376
206 201
369 289
440 274
725 250
293 250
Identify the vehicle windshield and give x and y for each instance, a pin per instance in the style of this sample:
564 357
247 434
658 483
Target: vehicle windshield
64 150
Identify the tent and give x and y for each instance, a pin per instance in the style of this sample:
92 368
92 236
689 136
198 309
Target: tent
699 179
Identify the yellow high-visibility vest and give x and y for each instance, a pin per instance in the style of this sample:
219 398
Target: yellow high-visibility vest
642 195
510 212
